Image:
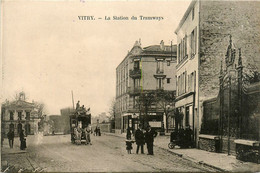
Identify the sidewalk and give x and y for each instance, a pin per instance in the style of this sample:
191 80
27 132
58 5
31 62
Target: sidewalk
220 161
15 150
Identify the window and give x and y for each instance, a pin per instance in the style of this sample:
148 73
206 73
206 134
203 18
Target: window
136 83
182 49
192 81
27 115
193 42
179 53
182 83
160 66
168 80
11 115
19 115
192 13
168 63
159 83
179 85
136 65
185 46
187 116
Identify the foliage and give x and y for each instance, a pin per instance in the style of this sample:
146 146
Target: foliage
144 103
112 109
165 101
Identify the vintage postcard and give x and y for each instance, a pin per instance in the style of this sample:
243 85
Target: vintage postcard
130 86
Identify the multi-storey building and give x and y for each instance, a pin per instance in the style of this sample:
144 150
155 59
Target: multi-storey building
18 115
202 37
143 70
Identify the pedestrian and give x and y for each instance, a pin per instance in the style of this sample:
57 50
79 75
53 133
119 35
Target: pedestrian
188 136
139 139
76 135
78 105
128 141
10 136
128 133
149 139
98 133
88 131
79 134
182 137
22 140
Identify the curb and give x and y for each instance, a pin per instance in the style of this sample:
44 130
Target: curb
192 160
18 152
180 155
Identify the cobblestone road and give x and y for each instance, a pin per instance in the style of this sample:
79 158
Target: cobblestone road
107 154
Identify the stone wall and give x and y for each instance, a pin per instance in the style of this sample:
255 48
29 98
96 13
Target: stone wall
218 20
208 144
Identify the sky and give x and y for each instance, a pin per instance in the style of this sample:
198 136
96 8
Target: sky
47 52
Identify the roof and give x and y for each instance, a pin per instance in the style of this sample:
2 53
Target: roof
157 48
18 104
193 2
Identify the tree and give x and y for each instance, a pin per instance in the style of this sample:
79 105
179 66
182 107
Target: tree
41 109
165 101
112 109
144 103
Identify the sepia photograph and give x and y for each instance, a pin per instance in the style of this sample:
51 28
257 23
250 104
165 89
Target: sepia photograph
130 86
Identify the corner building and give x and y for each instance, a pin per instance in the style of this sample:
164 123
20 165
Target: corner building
202 37
143 69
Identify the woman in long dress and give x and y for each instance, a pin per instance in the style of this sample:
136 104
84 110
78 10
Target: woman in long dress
22 140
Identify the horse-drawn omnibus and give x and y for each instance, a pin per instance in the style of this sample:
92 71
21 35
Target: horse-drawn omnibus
79 120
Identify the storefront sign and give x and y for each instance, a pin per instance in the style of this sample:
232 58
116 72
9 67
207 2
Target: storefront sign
155 123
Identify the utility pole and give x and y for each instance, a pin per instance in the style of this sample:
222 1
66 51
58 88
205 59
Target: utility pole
72 100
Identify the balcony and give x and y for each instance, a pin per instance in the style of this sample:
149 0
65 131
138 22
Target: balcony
134 90
135 73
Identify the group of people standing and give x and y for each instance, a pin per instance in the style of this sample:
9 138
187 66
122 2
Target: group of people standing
78 134
141 139
10 136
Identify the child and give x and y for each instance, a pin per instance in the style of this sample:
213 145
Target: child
128 141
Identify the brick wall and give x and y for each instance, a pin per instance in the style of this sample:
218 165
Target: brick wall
218 19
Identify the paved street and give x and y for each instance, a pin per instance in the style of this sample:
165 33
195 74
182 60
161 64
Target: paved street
56 153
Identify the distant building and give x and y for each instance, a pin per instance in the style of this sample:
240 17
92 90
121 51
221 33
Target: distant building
18 115
203 35
102 117
143 70
65 119
58 125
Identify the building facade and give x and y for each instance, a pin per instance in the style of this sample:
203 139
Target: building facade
18 115
143 70
202 37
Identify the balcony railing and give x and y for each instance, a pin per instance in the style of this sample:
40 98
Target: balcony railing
135 73
134 90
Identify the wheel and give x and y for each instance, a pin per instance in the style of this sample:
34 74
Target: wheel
171 145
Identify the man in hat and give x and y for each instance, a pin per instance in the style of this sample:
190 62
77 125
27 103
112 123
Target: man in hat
139 138
10 136
149 139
